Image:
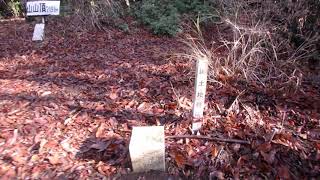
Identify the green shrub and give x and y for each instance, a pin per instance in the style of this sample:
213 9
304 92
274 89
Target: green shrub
164 17
161 17
16 8
10 8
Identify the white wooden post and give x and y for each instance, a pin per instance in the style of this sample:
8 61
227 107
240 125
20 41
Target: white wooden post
200 92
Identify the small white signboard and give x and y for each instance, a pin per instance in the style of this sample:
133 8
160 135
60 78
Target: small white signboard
43 8
200 92
147 148
38 33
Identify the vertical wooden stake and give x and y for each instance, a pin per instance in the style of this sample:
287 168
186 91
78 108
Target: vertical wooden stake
200 92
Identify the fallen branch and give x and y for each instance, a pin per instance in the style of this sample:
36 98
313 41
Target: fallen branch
209 138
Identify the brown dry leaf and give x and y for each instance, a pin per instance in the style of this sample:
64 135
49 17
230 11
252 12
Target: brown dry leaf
34 158
214 151
113 121
141 107
171 106
54 159
144 91
185 103
46 93
283 139
67 147
20 155
113 147
131 104
10 174
283 172
44 144
36 171
180 160
100 131
105 169
269 157
265 147
242 160
156 110
4 168
113 95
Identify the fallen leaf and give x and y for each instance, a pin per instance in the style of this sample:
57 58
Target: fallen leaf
144 91
100 145
269 157
34 158
171 106
46 93
105 169
214 151
283 172
113 95
100 131
180 160
130 104
67 147
54 159
10 174
141 107
265 147
113 121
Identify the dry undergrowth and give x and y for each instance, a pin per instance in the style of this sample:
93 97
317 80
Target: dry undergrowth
96 13
249 48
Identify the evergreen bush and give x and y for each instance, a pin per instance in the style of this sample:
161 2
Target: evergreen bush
164 17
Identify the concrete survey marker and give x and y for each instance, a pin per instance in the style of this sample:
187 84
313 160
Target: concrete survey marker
38 33
147 148
200 93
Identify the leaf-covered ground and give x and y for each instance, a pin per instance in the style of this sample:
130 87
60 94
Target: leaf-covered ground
68 104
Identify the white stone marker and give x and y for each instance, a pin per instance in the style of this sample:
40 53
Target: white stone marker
38 33
200 92
147 148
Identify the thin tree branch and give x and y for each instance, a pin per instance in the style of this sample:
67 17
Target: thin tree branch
209 138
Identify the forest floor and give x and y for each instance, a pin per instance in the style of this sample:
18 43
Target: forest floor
68 104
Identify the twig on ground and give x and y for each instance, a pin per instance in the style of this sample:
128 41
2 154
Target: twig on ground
176 94
20 109
209 138
73 114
